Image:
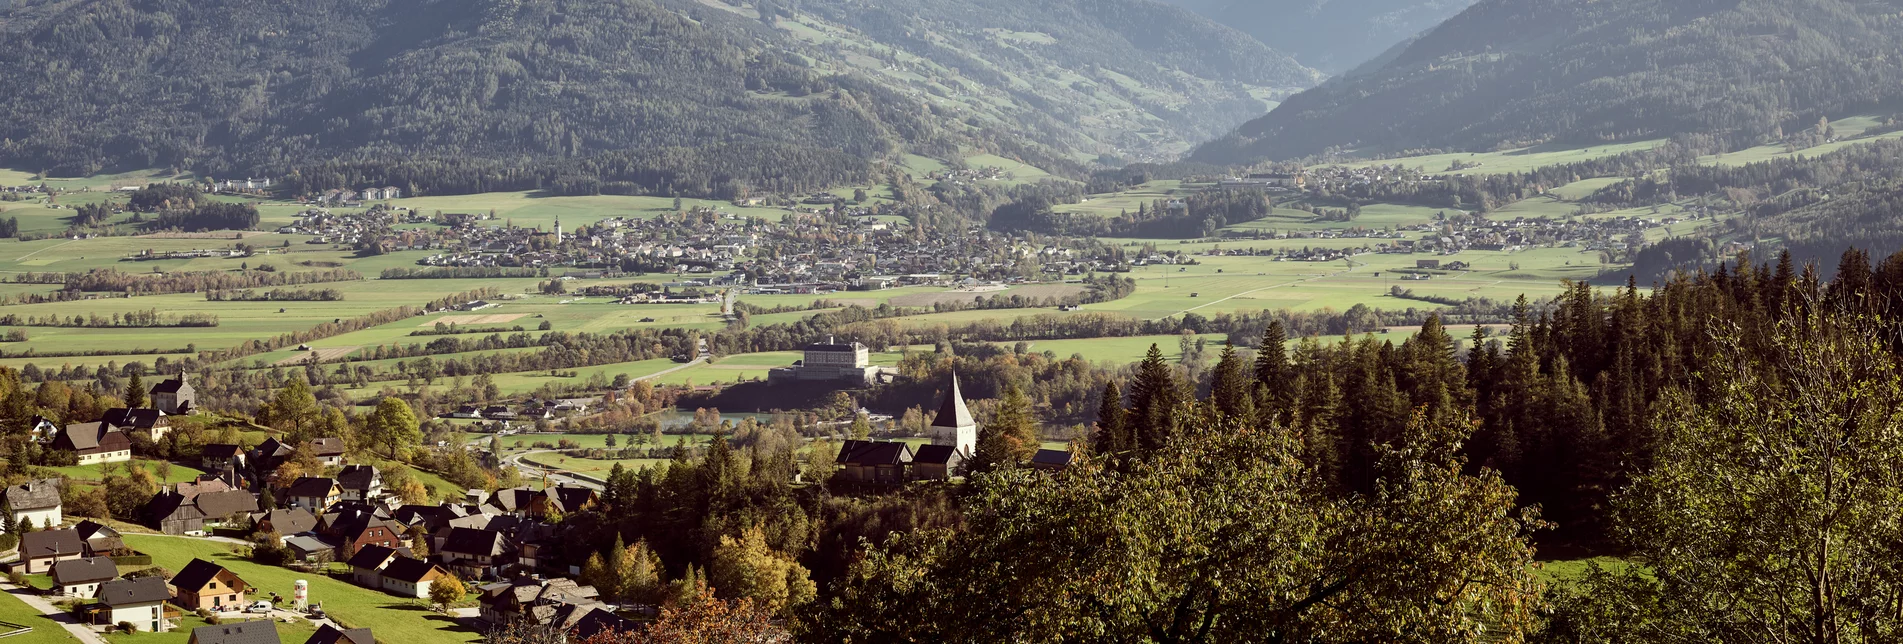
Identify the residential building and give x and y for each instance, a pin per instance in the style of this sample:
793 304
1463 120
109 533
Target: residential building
330 451
313 493
94 443
36 501
285 522
203 584
874 461
261 631
411 577
312 548
151 423
99 538
174 396
328 634
476 553
81 577
530 598
1052 459
40 550
360 482
139 602
192 508
935 463
366 567
218 456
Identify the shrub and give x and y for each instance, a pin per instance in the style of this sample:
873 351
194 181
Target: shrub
16 578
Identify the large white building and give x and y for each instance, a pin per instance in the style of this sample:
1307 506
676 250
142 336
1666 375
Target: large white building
830 360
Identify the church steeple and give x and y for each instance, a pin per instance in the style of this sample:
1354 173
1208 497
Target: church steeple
954 426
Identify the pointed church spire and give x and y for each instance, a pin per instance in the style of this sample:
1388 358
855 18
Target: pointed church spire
952 412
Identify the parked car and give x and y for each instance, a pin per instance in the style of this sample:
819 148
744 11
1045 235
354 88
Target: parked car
259 606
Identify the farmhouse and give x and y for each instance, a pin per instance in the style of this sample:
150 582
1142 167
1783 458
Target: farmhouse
203 584
476 553
533 599
36 501
366 567
139 601
94 443
189 508
81 577
99 538
292 521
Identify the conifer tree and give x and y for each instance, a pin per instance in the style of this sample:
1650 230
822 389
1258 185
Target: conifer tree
1113 432
1234 388
1010 437
135 391
1153 399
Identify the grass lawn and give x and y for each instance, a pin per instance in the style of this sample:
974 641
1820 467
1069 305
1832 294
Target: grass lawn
94 472
1574 570
393 619
45 630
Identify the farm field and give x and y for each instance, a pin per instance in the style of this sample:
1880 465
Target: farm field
592 467
392 618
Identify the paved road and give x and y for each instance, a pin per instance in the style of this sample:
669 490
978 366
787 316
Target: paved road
81 631
533 471
669 370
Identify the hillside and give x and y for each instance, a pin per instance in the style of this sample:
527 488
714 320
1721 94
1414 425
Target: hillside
1510 73
655 96
1332 36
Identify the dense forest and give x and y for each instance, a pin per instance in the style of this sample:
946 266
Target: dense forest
641 96
1334 37
1526 72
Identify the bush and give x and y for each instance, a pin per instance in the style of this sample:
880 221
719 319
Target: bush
155 571
16 578
128 627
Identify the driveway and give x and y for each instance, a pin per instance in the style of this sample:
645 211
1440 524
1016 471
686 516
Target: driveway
80 631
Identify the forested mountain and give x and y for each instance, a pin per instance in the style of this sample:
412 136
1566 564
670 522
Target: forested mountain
1330 35
667 96
1522 72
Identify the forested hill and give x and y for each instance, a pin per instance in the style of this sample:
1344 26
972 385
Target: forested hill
668 96
1330 36
1519 72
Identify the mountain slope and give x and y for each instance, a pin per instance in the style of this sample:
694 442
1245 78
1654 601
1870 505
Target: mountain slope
667 96
1330 35
1520 72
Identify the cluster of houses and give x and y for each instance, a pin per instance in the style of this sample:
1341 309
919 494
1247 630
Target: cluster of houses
353 198
534 409
110 439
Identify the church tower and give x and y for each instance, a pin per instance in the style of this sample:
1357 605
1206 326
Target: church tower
954 425
558 229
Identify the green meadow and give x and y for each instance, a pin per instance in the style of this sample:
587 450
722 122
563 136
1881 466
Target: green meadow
393 619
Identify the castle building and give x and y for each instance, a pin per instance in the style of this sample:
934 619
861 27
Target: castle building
830 360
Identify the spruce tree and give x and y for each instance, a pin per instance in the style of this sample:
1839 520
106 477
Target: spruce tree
1113 431
1234 387
135 391
1153 398
1272 372
1010 437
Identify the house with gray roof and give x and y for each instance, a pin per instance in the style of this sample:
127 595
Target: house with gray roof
253 632
40 550
37 501
139 601
81 577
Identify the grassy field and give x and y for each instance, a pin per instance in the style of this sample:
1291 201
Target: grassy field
94 472
45 630
392 618
592 467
